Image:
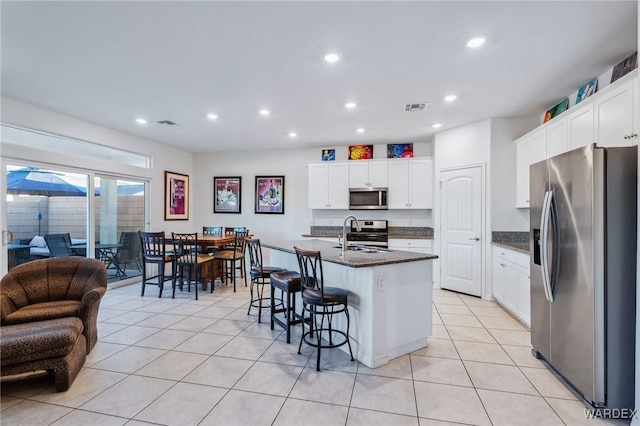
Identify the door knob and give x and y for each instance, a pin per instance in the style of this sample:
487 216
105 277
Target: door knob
475 238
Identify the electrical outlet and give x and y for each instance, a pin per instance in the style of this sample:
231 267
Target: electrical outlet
382 283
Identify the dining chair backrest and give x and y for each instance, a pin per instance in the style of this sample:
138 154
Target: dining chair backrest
240 241
59 244
185 248
232 230
310 264
153 245
211 230
255 254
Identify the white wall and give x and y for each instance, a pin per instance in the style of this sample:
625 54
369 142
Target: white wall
488 143
291 163
469 144
504 215
164 157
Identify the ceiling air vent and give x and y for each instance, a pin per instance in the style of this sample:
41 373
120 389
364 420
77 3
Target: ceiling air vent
167 122
415 107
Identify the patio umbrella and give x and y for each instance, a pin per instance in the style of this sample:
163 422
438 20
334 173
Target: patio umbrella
33 181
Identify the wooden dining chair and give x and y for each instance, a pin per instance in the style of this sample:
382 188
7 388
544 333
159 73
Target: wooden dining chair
190 262
232 255
154 253
212 230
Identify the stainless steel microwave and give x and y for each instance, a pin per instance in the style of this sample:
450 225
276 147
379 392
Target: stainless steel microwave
367 198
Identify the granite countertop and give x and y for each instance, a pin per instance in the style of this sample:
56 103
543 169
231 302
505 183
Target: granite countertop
353 259
516 246
395 232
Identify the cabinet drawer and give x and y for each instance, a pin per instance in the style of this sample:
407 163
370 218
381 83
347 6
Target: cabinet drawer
409 244
512 256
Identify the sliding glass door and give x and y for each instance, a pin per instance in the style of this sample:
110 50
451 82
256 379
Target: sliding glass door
119 215
46 213
49 213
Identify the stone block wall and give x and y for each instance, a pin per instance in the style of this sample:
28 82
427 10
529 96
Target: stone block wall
68 214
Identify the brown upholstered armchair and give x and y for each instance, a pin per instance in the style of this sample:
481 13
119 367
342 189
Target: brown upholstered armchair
51 288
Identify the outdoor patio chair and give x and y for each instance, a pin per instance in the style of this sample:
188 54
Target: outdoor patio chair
130 252
60 245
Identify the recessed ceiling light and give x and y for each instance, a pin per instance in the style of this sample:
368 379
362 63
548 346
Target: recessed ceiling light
331 57
264 112
476 41
212 116
450 98
141 121
292 134
350 105
360 130
436 125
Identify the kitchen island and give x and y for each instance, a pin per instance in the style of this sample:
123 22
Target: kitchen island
390 295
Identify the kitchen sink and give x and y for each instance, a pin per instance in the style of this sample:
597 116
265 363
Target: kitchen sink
365 249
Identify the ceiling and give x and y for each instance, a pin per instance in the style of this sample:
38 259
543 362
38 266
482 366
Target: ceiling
112 62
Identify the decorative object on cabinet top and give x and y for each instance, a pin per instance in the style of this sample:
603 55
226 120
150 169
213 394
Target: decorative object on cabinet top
396 232
587 90
518 241
360 152
557 109
625 66
399 150
328 155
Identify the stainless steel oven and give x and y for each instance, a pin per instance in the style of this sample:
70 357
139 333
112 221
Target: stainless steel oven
372 233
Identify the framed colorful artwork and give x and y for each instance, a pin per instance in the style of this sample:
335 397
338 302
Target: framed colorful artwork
557 109
269 196
587 90
227 194
625 66
176 196
328 155
399 150
360 152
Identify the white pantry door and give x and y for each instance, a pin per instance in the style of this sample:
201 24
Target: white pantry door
461 225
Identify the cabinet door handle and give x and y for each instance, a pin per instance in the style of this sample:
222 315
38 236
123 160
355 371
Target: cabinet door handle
502 264
474 238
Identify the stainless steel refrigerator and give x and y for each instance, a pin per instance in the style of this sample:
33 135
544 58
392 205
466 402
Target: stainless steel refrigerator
583 218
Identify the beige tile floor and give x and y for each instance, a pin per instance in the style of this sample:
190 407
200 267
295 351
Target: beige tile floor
186 362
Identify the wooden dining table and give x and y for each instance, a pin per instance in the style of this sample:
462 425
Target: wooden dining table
206 241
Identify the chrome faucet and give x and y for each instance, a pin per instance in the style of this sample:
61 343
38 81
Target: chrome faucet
344 232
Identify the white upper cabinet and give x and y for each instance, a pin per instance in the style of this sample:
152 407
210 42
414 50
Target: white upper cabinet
557 138
580 125
530 149
608 118
617 117
368 174
328 187
410 183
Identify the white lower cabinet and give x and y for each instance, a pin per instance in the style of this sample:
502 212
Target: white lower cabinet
511 283
414 245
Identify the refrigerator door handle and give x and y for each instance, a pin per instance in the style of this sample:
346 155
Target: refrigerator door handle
544 244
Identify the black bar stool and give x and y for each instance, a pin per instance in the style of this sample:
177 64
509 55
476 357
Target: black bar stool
259 276
320 301
288 282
